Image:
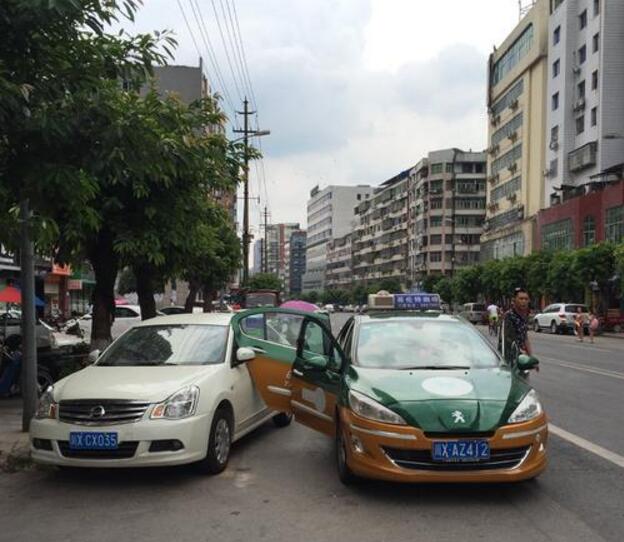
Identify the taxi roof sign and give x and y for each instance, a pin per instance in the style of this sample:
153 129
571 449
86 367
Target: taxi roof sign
414 302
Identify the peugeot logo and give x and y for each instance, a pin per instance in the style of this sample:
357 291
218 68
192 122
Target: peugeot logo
458 416
97 412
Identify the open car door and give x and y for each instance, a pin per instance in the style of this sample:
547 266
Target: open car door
297 362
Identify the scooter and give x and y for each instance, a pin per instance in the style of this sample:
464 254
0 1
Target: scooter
44 378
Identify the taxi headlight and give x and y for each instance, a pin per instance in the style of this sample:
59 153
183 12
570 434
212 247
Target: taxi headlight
369 408
528 409
181 404
46 407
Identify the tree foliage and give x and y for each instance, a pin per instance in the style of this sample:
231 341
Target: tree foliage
264 281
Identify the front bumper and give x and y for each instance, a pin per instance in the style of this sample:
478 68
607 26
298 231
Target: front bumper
372 447
191 432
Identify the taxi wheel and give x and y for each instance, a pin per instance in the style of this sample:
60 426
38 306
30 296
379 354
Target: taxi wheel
345 474
219 444
282 419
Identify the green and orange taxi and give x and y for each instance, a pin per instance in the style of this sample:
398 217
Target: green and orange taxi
409 394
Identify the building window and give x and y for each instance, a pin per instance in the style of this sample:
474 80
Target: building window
359 197
554 134
513 55
582 54
594 116
596 8
435 256
437 203
583 19
580 90
511 97
556 68
435 221
436 169
435 239
580 125
507 159
555 101
505 131
614 224
557 35
594 83
589 231
505 190
449 168
558 235
596 43
554 167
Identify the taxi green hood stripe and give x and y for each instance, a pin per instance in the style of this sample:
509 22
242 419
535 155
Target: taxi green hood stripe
476 400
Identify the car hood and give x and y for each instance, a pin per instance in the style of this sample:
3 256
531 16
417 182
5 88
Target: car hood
461 401
153 384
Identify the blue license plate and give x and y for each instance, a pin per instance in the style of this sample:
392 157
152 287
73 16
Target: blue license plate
83 440
450 451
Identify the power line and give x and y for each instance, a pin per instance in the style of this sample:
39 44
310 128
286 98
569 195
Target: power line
188 27
227 54
240 49
229 30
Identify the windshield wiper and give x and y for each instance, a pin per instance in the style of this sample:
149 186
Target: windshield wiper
436 367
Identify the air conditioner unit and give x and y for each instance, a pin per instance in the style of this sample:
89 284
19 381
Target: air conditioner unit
486 226
514 105
513 167
512 197
493 149
513 136
553 145
579 105
547 172
496 120
576 70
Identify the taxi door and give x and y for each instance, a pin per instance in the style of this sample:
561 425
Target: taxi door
297 363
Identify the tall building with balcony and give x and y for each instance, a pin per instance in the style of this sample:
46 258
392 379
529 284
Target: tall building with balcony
276 237
330 215
448 211
296 262
339 272
380 239
517 88
585 125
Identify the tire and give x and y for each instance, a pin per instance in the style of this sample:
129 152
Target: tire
553 328
536 327
219 444
44 380
282 419
345 474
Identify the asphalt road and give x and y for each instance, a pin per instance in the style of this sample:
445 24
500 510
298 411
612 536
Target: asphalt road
281 483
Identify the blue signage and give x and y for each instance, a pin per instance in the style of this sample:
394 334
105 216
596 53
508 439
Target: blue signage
417 302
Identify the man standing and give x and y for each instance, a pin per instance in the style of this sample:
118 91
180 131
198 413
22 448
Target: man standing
514 339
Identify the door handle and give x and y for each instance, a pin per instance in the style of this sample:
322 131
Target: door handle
297 372
258 350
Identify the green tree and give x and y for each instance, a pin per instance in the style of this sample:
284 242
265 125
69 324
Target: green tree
564 284
429 282
391 285
467 285
265 281
444 287
537 267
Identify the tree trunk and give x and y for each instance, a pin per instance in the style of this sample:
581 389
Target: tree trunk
209 295
192 296
105 266
144 274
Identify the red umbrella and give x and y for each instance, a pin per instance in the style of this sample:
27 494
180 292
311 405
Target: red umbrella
10 295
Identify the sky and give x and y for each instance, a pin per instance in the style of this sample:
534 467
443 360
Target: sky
353 91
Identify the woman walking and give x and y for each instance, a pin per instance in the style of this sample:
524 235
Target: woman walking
579 324
593 326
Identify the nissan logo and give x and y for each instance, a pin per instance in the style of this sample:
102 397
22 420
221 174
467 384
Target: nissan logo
98 412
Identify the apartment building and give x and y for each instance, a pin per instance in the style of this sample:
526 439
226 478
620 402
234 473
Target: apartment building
330 215
276 237
380 238
296 262
517 112
585 125
449 190
339 272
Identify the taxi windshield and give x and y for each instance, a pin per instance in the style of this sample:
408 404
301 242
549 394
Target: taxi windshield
422 344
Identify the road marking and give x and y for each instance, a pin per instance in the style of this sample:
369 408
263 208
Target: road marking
602 372
614 458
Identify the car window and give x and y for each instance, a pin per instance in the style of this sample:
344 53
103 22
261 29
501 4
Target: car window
344 333
317 342
168 345
575 308
414 343
125 312
477 307
276 327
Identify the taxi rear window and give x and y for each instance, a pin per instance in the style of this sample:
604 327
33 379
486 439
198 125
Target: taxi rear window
416 343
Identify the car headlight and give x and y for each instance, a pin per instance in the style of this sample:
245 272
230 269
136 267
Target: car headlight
46 407
369 408
528 409
181 404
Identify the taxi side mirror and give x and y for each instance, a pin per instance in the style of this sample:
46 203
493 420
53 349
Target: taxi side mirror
526 363
244 354
93 356
317 362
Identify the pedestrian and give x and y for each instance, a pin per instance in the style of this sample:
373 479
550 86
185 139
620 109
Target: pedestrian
594 323
579 324
514 337
493 311
11 355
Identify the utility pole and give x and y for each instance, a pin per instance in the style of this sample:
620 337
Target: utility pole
246 133
265 247
29 349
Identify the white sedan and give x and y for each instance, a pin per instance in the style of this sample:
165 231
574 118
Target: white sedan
170 391
125 317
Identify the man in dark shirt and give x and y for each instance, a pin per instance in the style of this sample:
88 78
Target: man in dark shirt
514 338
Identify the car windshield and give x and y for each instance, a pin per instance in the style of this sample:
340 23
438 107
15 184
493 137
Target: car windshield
422 344
267 299
168 345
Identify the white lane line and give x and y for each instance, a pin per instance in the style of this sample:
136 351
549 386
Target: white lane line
614 458
602 372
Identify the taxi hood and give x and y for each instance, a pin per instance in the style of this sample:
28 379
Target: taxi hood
444 401
153 384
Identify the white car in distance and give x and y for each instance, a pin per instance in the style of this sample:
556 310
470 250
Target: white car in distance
170 391
126 316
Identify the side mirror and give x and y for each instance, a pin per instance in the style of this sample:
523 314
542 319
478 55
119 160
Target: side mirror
87 317
318 362
93 356
526 363
244 354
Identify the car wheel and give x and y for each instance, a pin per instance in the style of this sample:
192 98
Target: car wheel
219 444
44 380
282 419
345 474
553 328
536 326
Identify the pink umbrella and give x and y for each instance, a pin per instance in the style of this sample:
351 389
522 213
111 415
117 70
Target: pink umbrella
300 306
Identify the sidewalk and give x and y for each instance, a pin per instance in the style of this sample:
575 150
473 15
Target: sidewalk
14 445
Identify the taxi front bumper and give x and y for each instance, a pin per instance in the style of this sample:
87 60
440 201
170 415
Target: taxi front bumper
403 453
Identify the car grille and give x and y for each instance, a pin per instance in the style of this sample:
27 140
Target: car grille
421 460
125 450
101 412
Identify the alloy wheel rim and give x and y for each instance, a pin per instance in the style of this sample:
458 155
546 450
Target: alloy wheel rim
222 440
